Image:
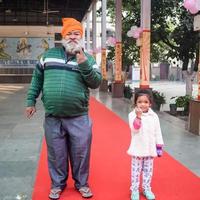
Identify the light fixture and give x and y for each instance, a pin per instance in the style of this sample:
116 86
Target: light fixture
8 11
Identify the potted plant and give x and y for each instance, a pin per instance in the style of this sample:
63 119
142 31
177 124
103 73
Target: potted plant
158 99
128 92
183 102
172 106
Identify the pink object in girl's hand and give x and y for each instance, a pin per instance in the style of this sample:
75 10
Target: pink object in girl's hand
137 123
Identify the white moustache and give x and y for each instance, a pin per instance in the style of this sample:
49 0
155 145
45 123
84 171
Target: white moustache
75 41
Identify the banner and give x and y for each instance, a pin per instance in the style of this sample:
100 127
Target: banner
103 64
145 59
118 62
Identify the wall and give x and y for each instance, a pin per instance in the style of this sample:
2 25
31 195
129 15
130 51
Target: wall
20 48
29 31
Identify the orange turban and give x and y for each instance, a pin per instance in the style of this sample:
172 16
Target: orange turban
71 24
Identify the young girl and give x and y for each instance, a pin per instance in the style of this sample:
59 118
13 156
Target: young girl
146 143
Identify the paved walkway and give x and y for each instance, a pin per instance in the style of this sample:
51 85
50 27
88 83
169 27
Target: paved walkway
20 141
20 138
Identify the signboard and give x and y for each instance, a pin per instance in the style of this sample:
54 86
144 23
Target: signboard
103 64
145 59
118 62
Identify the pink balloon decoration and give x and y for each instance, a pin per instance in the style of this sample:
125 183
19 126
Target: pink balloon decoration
136 35
139 30
97 50
135 32
198 4
111 41
90 51
192 5
193 10
188 4
94 51
129 34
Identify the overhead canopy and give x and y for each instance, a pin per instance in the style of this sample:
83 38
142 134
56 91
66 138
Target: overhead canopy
41 12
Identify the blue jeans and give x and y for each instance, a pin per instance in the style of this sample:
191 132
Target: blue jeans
68 139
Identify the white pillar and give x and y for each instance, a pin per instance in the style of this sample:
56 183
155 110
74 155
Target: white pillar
145 43
118 20
103 24
103 40
84 28
88 31
146 14
118 46
94 27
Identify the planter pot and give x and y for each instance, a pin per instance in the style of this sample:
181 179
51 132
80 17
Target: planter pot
173 109
156 106
186 111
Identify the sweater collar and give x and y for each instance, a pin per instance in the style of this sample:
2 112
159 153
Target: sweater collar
150 112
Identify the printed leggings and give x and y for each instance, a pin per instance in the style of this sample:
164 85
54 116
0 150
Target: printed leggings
144 165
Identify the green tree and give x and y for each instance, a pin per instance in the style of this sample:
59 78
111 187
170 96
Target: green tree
172 26
172 34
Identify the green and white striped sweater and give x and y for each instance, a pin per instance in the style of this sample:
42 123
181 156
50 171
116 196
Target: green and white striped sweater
64 83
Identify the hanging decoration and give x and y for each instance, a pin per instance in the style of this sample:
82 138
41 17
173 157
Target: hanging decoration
111 41
94 51
134 32
192 5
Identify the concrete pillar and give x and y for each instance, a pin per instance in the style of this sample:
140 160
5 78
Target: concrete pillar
94 28
88 32
145 43
104 84
118 84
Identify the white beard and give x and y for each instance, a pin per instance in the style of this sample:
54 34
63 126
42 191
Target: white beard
72 47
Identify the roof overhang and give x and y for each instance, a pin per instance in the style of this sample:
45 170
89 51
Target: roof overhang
41 12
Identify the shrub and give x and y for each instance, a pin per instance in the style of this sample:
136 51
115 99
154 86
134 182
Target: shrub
158 97
128 92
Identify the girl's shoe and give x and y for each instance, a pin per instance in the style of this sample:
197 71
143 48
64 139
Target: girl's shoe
149 194
135 196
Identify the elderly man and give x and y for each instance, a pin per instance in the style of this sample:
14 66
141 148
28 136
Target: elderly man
64 76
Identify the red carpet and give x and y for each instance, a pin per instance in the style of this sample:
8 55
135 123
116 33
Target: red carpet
110 166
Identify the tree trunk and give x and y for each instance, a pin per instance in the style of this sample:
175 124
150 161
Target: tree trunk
189 79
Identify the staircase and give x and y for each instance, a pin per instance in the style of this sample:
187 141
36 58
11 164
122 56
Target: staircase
16 75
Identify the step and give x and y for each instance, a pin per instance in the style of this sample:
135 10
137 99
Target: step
15 78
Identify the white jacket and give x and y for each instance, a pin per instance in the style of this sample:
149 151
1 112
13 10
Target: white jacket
144 140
